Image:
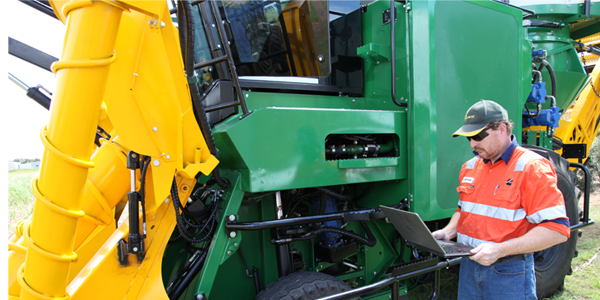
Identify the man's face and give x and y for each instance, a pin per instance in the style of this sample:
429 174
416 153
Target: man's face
491 146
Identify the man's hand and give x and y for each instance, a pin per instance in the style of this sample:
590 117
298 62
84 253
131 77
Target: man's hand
486 254
441 235
448 232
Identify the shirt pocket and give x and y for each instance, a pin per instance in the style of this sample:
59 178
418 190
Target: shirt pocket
506 194
466 192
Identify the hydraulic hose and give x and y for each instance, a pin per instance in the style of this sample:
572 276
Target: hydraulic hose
199 112
544 63
334 194
182 29
181 220
552 75
371 241
533 115
344 197
364 193
187 279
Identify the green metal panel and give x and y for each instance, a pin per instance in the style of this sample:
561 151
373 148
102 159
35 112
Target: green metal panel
284 148
449 55
462 51
219 245
376 35
231 281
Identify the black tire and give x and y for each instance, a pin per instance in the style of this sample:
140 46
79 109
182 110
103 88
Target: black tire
554 263
303 285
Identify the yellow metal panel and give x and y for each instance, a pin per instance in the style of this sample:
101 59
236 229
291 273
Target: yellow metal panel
121 68
138 280
148 100
91 33
579 123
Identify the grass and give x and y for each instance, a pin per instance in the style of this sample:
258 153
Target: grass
20 197
584 283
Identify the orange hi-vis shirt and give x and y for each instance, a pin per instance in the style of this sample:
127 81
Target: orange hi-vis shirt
504 200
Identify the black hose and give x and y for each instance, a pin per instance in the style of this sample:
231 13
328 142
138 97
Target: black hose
181 221
298 201
199 112
334 194
395 240
185 282
182 31
364 193
530 115
359 138
371 241
552 82
145 163
552 75
175 240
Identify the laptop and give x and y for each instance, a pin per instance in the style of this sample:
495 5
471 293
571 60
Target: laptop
416 233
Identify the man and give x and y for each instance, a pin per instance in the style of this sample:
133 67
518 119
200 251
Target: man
509 207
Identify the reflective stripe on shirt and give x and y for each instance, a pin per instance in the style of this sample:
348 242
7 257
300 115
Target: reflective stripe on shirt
549 213
493 211
524 159
503 201
471 163
470 241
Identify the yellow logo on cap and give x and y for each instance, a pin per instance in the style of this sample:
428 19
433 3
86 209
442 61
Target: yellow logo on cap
469 117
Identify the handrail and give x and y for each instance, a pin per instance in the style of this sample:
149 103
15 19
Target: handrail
230 62
586 198
390 281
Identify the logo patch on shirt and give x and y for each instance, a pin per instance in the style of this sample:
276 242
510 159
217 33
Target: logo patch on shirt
468 180
509 182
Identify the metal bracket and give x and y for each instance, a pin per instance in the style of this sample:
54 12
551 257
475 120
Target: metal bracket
387 16
574 151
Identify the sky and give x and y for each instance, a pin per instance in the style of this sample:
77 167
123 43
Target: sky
22 118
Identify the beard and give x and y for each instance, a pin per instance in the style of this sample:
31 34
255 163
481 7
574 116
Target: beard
481 152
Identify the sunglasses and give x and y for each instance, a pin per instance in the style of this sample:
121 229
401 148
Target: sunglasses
481 135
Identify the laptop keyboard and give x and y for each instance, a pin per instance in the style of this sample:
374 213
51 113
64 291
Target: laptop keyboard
451 250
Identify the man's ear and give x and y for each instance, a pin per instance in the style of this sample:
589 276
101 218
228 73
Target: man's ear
503 128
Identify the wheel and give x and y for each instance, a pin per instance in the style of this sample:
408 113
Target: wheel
554 263
303 285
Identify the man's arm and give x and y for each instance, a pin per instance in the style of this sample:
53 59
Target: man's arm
537 239
448 232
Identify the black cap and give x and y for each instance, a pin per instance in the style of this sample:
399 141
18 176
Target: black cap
479 116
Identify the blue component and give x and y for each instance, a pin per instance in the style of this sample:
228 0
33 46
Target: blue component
328 238
547 117
535 53
538 93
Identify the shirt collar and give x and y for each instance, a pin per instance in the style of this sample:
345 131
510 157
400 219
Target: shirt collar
507 153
